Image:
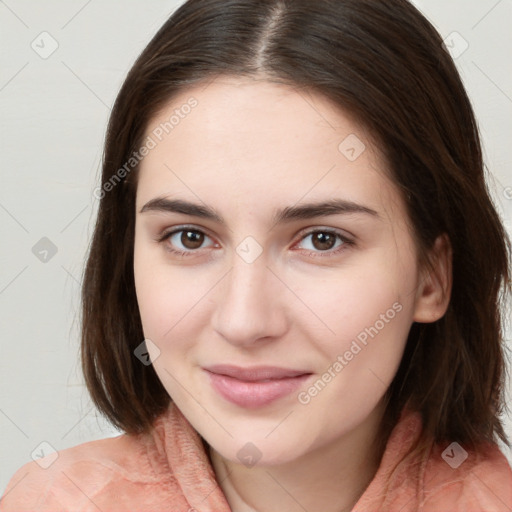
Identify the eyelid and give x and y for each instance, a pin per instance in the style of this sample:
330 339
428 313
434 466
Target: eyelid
304 231
176 229
347 241
302 234
315 227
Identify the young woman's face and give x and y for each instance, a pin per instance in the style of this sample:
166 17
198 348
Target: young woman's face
330 295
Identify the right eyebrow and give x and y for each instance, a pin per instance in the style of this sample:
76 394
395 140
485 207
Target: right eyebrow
163 204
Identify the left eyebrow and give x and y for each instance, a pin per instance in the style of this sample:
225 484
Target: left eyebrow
321 209
287 214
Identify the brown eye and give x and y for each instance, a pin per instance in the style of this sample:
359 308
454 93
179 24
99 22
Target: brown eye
191 239
323 241
184 242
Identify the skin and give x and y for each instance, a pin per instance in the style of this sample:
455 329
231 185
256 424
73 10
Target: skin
250 147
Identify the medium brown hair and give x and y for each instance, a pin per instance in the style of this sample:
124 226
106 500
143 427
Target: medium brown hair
384 63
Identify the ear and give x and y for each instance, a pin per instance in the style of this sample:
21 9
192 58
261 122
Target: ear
434 290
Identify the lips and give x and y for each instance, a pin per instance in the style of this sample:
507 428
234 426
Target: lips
254 387
256 373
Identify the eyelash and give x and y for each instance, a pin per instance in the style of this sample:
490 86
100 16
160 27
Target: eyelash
346 242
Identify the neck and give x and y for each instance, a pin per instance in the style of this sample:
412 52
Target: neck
330 478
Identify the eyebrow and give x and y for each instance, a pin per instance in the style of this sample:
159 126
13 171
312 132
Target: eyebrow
287 214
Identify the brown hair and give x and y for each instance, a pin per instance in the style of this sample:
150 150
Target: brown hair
384 63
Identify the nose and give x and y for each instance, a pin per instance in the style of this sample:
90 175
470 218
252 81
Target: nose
250 308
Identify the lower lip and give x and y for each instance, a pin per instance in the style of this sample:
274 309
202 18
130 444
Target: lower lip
254 394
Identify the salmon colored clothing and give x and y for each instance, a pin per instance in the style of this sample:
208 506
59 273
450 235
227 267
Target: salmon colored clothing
169 470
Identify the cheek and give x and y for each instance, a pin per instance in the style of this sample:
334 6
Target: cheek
157 295
163 302
370 324
365 313
169 298
350 298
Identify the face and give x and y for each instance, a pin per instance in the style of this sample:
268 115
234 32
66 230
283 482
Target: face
263 280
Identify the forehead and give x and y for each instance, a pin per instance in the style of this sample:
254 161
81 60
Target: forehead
236 138
237 108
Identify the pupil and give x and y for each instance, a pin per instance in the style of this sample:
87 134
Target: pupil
192 239
323 241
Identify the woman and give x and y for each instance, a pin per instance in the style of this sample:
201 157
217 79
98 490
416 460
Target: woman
292 297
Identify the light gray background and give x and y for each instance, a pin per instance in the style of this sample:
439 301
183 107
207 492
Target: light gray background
53 117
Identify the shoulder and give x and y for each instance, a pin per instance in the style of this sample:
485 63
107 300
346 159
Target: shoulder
439 477
460 480
74 476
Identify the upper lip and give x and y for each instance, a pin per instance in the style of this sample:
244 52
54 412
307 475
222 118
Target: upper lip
254 373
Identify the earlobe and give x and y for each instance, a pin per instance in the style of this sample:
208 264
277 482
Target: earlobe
434 289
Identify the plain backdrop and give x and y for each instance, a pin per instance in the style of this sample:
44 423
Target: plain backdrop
62 64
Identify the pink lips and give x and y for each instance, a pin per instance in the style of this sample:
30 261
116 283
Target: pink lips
256 386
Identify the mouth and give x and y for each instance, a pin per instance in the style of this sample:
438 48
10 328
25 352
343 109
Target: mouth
257 386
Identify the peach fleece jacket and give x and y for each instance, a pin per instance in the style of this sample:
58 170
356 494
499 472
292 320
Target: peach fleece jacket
169 470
